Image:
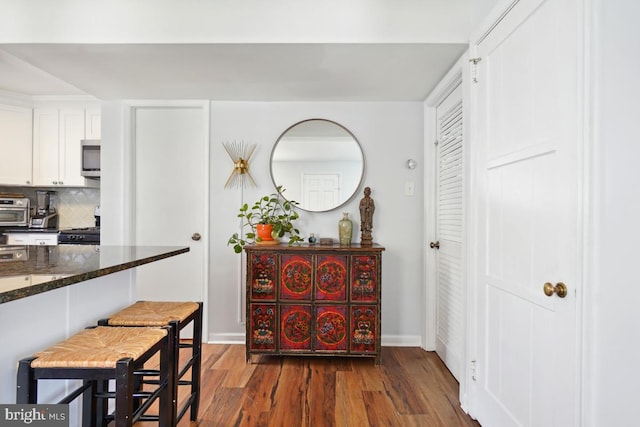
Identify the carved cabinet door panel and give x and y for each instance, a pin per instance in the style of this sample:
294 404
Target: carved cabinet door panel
262 328
295 277
331 278
364 329
331 328
295 327
364 278
263 276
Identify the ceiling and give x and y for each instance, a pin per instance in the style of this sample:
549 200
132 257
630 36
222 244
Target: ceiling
234 71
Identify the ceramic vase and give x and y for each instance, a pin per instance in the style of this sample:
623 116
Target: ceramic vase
345 229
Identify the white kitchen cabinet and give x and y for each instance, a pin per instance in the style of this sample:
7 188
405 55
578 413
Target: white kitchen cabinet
56 146
49 239
72 131
36 279
93 123
14 282
15 145
46 146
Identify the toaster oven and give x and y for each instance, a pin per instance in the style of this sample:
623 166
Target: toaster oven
14 211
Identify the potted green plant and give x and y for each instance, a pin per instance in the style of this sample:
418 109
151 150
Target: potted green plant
270 210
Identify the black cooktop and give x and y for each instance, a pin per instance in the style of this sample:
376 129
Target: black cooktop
85 230
87 235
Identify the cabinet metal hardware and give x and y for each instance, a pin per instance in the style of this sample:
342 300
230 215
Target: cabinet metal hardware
435 245
196 236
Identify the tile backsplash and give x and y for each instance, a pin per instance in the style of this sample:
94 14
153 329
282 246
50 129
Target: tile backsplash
75 205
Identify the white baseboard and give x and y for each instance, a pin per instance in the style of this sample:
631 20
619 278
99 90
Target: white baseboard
387 340
226 338
401 341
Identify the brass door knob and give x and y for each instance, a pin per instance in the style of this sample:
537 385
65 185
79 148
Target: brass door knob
559 289
196 236
435 244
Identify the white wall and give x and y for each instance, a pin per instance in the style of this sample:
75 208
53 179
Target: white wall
390 133
114 164
612 286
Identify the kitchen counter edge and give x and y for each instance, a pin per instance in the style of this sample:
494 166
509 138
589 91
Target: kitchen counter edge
110 259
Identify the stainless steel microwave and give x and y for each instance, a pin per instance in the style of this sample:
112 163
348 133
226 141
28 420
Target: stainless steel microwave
91 158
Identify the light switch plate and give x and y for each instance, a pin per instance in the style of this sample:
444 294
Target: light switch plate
409 188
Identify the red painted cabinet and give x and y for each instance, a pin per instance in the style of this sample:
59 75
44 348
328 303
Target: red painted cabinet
314 300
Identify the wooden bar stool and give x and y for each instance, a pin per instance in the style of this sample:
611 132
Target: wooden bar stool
177 315
97 355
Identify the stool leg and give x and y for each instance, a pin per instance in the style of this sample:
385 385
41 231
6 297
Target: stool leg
124 393
197 361
168 379
175 367
101 404
27 385
94 405
89 405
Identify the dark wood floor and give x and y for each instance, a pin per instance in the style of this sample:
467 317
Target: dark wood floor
412 387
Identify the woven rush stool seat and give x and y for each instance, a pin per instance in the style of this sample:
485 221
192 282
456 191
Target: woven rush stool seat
97 355
153 313
177 315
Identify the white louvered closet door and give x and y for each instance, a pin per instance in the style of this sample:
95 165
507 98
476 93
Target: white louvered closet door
449 232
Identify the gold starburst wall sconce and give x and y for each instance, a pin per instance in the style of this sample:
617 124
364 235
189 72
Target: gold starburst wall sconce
240 153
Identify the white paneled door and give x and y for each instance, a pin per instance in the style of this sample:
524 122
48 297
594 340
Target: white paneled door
170 185
450 292
320 192
526 363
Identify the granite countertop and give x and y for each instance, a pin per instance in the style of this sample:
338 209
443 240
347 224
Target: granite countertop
30 230
39 269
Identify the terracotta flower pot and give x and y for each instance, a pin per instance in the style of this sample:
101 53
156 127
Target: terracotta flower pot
264 231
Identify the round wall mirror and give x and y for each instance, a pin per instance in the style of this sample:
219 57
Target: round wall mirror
319 163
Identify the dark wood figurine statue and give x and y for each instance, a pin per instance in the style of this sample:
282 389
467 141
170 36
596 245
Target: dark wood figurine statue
366 217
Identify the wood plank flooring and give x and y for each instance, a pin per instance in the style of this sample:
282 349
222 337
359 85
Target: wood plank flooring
412 387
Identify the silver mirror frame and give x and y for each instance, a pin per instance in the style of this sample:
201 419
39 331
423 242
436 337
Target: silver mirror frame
353 188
